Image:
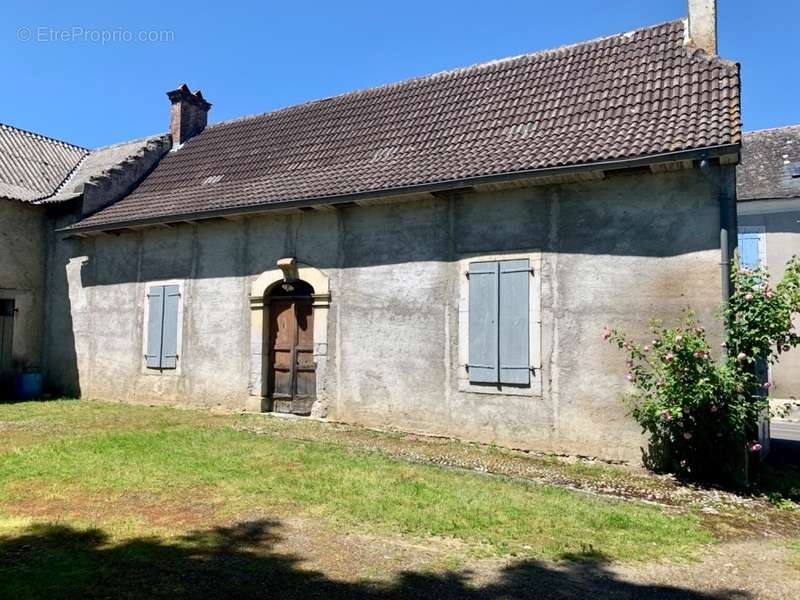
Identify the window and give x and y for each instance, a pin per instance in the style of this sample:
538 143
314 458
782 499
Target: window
499 322
163 304
751 247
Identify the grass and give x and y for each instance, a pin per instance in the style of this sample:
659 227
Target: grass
136 471
794 559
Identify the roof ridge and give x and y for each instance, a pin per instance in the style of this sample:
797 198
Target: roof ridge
474 66
131 141
42 137
795 126
64 181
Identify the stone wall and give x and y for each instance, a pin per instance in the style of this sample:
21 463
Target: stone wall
614 252
22 276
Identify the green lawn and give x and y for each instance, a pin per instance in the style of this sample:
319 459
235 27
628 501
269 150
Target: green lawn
128 473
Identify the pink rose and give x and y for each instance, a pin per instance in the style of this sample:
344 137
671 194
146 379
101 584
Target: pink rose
741 357
646 348
697 354
748 296
669 356
756 447
722 345
678 339
768 294
630 376
687 435
767 385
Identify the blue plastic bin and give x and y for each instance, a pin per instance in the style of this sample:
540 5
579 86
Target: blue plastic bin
28 386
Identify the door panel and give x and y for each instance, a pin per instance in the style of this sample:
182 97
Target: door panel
292 377
281 348
305 384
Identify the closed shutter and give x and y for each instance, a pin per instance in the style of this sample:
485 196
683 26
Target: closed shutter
155 301
749 249
514 322
483 364
169 335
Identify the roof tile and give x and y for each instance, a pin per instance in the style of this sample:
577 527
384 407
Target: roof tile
633 94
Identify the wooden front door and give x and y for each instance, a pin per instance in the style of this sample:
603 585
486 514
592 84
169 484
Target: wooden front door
292 378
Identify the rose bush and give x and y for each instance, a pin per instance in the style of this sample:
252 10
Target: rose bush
701 407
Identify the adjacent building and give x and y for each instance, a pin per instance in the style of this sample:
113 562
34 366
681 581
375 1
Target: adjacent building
768 189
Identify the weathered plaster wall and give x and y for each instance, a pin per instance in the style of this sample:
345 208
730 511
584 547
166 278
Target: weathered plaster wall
22 276
613 252
782 242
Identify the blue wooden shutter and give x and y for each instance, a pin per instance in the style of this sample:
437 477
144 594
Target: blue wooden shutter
514 321
155 320
749 249
169 335
483 322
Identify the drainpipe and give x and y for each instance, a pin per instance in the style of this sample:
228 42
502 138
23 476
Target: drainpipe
725 179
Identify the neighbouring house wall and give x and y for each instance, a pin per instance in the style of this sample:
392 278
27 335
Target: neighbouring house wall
782 231
22 277
615 252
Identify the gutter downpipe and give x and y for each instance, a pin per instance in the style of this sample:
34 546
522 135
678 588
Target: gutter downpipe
726 181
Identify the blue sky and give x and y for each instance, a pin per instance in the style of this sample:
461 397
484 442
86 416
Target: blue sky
251 57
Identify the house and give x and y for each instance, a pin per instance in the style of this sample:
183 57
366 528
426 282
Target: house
438 255
31 167
768 190
42 179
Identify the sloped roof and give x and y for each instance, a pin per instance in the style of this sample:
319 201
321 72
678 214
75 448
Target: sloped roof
770 159
99 162
32 166
630 95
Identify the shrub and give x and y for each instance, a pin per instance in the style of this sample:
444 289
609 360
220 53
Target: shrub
702 408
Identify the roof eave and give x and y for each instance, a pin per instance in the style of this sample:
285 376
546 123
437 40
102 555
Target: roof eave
625 163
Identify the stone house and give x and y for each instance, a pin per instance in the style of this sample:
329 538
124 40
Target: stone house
437 255
768 190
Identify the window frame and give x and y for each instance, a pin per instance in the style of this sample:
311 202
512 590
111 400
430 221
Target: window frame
143 327
761 230
534 388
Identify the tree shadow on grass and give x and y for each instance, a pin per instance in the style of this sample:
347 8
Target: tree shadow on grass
57 561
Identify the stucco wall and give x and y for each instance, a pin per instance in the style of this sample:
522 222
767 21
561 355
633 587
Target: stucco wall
614 252
782 242
22 275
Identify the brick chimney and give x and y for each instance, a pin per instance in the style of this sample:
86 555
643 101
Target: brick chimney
702 29
189 114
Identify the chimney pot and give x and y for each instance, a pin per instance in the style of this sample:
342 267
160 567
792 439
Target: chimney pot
702 27
189 114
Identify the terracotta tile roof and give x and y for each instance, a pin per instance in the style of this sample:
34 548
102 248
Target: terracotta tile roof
32 166
629 95
770 167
